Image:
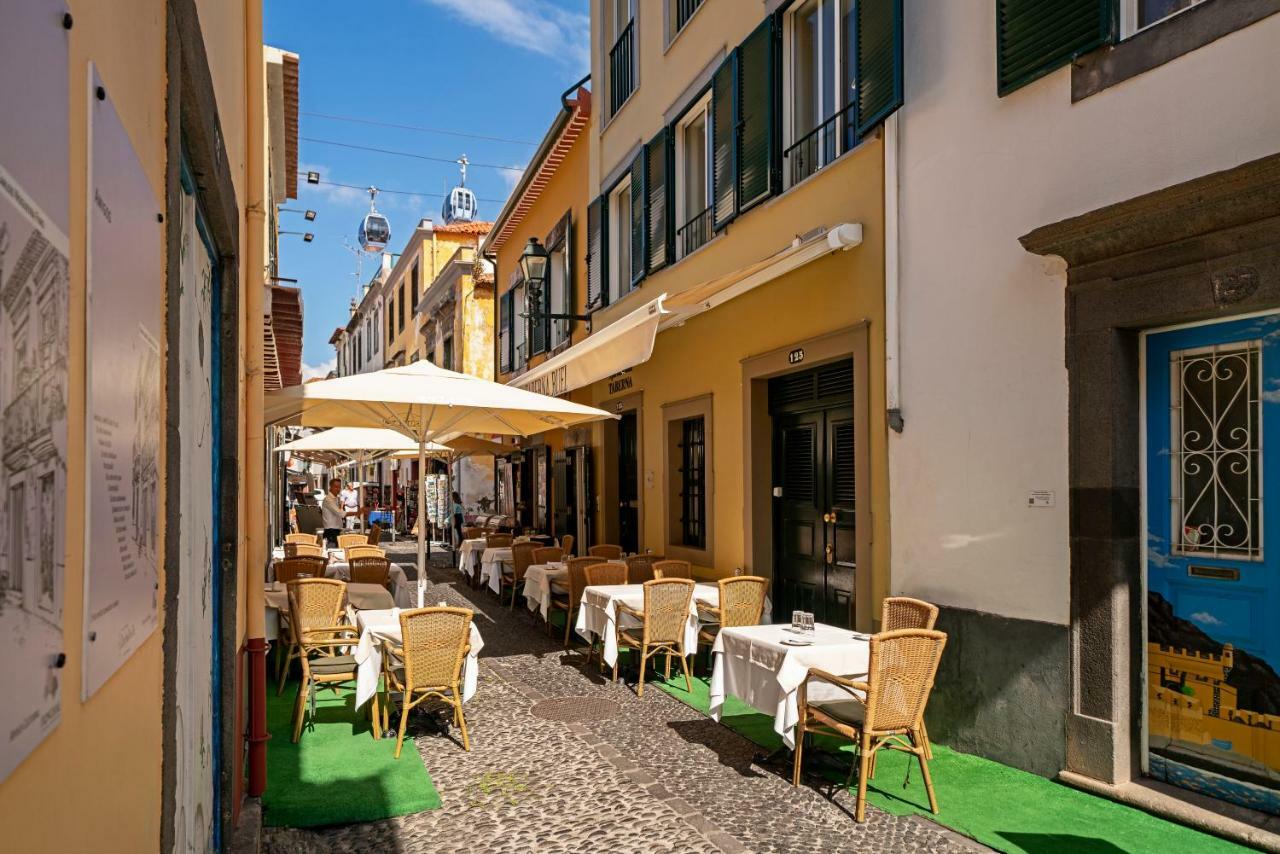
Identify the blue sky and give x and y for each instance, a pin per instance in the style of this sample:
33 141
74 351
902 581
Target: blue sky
490 67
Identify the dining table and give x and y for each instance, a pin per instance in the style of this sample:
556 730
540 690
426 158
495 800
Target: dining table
765 665
491 563
538 580
359 596
598 615
403 591
380 627
469 556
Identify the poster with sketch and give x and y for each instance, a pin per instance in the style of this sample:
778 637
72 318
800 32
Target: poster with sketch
33 372
123 422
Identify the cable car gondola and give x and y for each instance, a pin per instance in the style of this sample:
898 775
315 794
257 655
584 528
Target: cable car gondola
460 204
375 231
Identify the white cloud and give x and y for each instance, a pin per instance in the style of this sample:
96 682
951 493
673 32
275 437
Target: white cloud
535 25
512 176
321 370
1204 618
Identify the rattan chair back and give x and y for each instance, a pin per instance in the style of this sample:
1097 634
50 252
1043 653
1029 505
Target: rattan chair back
742 600
547 554
900 673
375 534
435 644
640 567
370 569
566 544
366 550
666 609
609 572
521 559
302 539
305 566
578 576
672 569
606 551
903 612
497 541
314 603
472 533
346 541
311 549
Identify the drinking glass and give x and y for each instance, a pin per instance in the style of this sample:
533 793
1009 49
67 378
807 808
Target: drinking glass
797 620
808 622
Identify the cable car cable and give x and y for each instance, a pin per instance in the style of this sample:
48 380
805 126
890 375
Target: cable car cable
418 128
398 192
405 153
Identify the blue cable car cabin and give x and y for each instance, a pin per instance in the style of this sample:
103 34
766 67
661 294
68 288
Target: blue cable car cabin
460 206
375 232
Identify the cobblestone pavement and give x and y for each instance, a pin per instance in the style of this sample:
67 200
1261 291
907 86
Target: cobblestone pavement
562 760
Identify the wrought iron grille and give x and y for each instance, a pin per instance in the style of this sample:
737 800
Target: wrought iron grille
1217 451
821 145
684 11
694 233
622 68
693 495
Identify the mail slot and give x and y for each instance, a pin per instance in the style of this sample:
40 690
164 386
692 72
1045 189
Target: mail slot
1217 573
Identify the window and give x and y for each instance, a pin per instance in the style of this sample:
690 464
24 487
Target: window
1035 37
689 488
560 283
520 353
693 496
620 21
505 303
679 12
391 321
411 308
620 241
431 357
820 89
447 349
693 178
1137 15
413 277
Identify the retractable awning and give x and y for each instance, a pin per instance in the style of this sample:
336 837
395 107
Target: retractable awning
625 343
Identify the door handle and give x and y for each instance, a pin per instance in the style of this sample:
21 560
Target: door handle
831 554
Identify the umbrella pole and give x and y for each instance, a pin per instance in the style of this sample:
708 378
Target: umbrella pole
422 521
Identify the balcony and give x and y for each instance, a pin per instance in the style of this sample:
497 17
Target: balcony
622 68
820 146
694 233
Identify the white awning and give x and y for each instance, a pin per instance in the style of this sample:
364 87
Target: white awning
625 343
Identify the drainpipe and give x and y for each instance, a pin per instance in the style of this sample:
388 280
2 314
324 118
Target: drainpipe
254 462
892 364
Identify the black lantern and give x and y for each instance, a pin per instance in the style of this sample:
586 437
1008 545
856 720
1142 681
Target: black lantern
533 263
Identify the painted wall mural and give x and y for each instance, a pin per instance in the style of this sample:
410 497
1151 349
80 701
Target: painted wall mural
123 428
34 285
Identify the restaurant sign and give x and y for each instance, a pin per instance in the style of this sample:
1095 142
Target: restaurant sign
553 383
619 384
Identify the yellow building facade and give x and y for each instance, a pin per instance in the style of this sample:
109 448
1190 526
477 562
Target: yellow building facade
728 252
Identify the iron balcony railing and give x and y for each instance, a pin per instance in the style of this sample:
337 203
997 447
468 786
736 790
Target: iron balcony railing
694 233
684 11
819 146
622 68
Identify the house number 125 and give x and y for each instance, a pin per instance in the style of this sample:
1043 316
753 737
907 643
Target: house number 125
796 356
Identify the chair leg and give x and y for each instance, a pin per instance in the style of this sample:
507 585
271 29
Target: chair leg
299 709
864 759
688 683
923 739
404 720
615 664
666 672
284 671
462 718
799 753
644 662
375 714
568 626
871 770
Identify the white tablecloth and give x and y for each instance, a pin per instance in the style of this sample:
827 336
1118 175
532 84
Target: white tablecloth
753 664
598 616
403 591
491 563
537 585
361 596
469 556
709 596
378 627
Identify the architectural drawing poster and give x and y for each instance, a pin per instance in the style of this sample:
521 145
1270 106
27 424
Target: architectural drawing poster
33 372
123 427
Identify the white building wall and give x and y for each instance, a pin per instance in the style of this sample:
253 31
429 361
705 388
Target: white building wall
984 385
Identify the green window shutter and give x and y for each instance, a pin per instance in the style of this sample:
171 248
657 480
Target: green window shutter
537 336
755 88
723 145
878 61
504 332
1035 37
639 223
569 306
656 154
596 246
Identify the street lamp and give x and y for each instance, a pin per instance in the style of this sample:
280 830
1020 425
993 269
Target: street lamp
308 215
307 236
533 263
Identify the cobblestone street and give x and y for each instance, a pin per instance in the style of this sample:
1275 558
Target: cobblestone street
563 760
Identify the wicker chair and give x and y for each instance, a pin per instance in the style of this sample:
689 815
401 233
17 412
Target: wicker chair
741 604
666 610
672 569
363 550
315 609
497 541
569 600
472 533
548 554
513 573
566 544
303 549
640 568
370 569
609 572
302 539
346 541
304 566
903 612
883 712
375 534
429 664
606 551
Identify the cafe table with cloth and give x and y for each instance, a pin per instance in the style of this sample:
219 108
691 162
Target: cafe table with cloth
380 627
538 580
598 616
359 596
491 563
763 667
469 556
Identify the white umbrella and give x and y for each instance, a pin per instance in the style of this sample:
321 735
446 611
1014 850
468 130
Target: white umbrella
424 402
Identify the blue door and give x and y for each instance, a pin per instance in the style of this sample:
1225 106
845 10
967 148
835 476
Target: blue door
1213 550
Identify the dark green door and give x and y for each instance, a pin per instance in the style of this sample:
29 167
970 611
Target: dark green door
628 483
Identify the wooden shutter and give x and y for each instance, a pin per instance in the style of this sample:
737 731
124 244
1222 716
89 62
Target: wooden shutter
755 115
723 147
504 332
656 157
596 246
569 306
538 332
639 223
1035 37
878 62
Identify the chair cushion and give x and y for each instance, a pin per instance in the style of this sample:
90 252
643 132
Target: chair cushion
845 711
331 665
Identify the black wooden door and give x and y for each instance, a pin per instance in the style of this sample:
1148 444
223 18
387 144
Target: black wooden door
628 483
799 535
564 497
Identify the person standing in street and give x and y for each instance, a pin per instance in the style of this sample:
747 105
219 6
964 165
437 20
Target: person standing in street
457 520
335 513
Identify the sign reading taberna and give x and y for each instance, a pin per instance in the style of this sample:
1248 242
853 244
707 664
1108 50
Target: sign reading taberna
554 383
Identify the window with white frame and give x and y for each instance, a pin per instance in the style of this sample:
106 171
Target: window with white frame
620 239
1137 15
621 60
521 322
678 14
819 88
558 282
693 177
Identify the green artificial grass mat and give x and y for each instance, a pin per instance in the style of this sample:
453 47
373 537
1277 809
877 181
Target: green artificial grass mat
1002 807
338 773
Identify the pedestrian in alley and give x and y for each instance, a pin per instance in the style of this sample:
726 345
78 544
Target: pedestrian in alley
457 520
335 513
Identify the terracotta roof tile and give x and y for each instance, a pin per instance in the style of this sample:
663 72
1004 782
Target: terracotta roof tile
464 228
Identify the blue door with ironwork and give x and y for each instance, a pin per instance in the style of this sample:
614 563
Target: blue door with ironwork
1212 414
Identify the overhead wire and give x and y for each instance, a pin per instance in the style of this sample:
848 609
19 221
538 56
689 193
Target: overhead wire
411 154
396 192
418 128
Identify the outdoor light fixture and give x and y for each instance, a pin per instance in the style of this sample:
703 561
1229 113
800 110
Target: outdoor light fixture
533 263
313 177
310 215
306 236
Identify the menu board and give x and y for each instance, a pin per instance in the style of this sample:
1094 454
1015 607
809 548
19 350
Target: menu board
123 429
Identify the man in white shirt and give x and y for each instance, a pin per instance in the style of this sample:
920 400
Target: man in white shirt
350 498
334 513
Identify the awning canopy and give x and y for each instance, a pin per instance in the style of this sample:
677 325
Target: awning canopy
623 344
